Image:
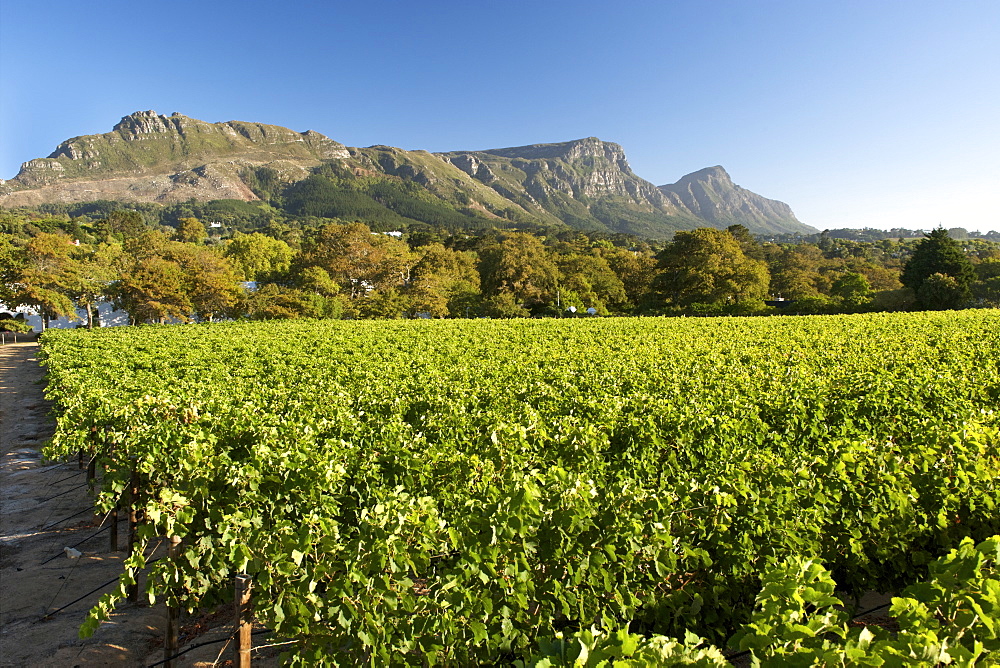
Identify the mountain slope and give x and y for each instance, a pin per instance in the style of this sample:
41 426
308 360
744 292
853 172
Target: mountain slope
585 184
167 159
711 195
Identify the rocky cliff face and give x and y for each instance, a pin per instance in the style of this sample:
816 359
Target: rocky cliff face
586 183
711 195
148 157
582 168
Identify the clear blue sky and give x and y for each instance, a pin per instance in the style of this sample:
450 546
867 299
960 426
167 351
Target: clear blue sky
856 113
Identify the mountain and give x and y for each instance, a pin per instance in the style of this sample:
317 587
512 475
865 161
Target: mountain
165 159
711 195
585 184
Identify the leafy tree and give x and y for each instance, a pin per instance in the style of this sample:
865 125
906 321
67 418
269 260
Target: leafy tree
153 290
795 271
121 224
902 299
320 294
938 253
853 289
148 244
465 299
191 230
97 269
12 261
442 279
504 305
636 269
879 277
210 283
593 280
46 276
520 266
386 304
987 286
273 302
258 257
315 279
357 259
940 292
709 266
751 248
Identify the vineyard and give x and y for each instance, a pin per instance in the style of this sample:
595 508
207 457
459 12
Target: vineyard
470 492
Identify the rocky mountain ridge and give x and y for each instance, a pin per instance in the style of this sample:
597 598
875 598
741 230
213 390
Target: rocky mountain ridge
711 195
167 159
584 184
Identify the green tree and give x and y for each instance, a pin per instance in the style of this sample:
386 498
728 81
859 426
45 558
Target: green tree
751 248
357 259
273 302
940 292
320 294
708 266
153 290
258 257
519 265
15 325
97 269
46 276
441 280
593 281
387 304
636 269
190 230
853 290
210 282
987 286
121 224
12 262
795 271
148 244
504 305
938 253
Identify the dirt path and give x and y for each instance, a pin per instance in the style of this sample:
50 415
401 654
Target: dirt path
38 501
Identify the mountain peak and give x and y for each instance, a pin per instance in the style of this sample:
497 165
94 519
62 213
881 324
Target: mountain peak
711 194
145 145
148 122
716 173
567 150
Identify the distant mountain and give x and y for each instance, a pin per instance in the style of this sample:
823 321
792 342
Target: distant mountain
165 159
711 195
584 184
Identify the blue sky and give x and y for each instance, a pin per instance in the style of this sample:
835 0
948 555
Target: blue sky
857 114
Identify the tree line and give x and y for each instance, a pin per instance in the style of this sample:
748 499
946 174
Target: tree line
328 268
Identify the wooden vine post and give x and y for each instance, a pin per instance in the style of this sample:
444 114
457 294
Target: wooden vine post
170 644
113 518
133 526
113 515
242 621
